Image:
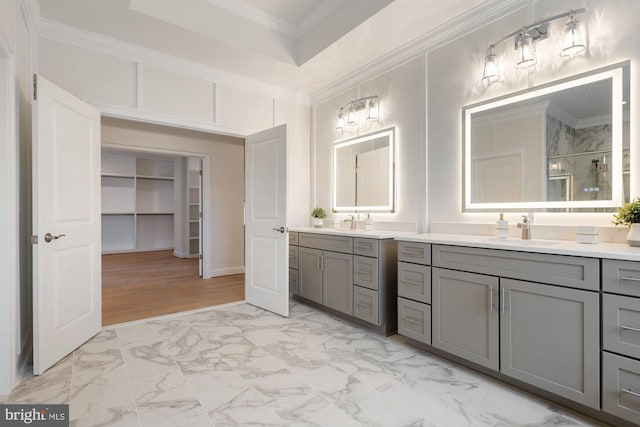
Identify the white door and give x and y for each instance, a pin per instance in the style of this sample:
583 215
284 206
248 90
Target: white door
66 220
266 236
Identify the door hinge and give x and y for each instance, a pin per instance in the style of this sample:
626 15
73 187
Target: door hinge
200 256
35 87
34 240
200 214
200 172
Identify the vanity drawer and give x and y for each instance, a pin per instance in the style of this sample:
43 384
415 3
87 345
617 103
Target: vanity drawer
293 256
366 247
294 281
621 387
365 272
414 282
563 270
621 324
293 237
414 320
621 277
415 252
342 244
365 304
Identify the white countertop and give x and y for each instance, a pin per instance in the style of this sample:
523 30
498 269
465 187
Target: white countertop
374 234
620 251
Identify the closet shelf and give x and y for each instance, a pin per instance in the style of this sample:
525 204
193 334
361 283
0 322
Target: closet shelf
116 175
118 213
156 178
154 213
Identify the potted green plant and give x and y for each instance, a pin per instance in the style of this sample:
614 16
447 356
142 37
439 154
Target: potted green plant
318 215
629 215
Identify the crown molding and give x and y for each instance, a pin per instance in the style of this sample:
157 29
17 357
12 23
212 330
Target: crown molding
318 14
30 12
257 16
456 28
74 36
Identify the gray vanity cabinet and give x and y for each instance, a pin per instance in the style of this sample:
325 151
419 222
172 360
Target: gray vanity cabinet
549 339
621 335
294 265
465 317
338 281
311 277
326 277
533 317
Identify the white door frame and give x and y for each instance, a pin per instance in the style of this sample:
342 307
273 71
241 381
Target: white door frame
207 163
9 190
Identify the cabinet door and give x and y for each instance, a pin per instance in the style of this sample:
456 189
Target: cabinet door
465 318
338 281
310 274
549 339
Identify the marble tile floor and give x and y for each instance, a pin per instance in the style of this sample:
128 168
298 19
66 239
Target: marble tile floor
240 365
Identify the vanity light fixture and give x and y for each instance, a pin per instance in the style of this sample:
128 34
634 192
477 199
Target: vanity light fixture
573 41
370 103
490 73
525 50
525 40
340 124
352 117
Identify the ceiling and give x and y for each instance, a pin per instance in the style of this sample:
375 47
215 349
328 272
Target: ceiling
300 45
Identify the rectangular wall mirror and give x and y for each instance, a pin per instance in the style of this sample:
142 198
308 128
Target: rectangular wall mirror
560 147
363 173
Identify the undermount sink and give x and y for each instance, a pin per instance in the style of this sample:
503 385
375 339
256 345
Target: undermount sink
517 242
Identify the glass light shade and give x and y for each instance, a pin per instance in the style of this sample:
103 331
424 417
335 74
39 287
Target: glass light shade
525 51
340 121
490 73
373 110
352 117
572 41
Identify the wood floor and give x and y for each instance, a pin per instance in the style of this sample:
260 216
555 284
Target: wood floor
146 284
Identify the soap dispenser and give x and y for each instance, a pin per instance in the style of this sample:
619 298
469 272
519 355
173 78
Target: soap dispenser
502 227
368 223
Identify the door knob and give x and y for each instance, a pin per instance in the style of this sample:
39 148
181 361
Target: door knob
281 229
49 237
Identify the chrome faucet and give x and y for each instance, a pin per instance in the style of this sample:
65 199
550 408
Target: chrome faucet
526 228
352 220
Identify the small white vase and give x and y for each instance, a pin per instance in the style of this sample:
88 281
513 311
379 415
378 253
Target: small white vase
633 237
317 222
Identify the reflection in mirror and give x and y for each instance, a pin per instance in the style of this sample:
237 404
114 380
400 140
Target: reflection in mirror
363 178
557 148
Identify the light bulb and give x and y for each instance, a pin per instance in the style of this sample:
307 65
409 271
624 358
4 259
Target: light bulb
525 50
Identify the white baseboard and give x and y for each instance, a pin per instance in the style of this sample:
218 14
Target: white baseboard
226 271
181 254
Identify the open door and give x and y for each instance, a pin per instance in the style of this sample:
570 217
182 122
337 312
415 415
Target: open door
266 234
67 301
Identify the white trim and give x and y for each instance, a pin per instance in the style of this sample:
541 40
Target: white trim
67 34
163 119
9 225
256 15
226 271
172 315
459 26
